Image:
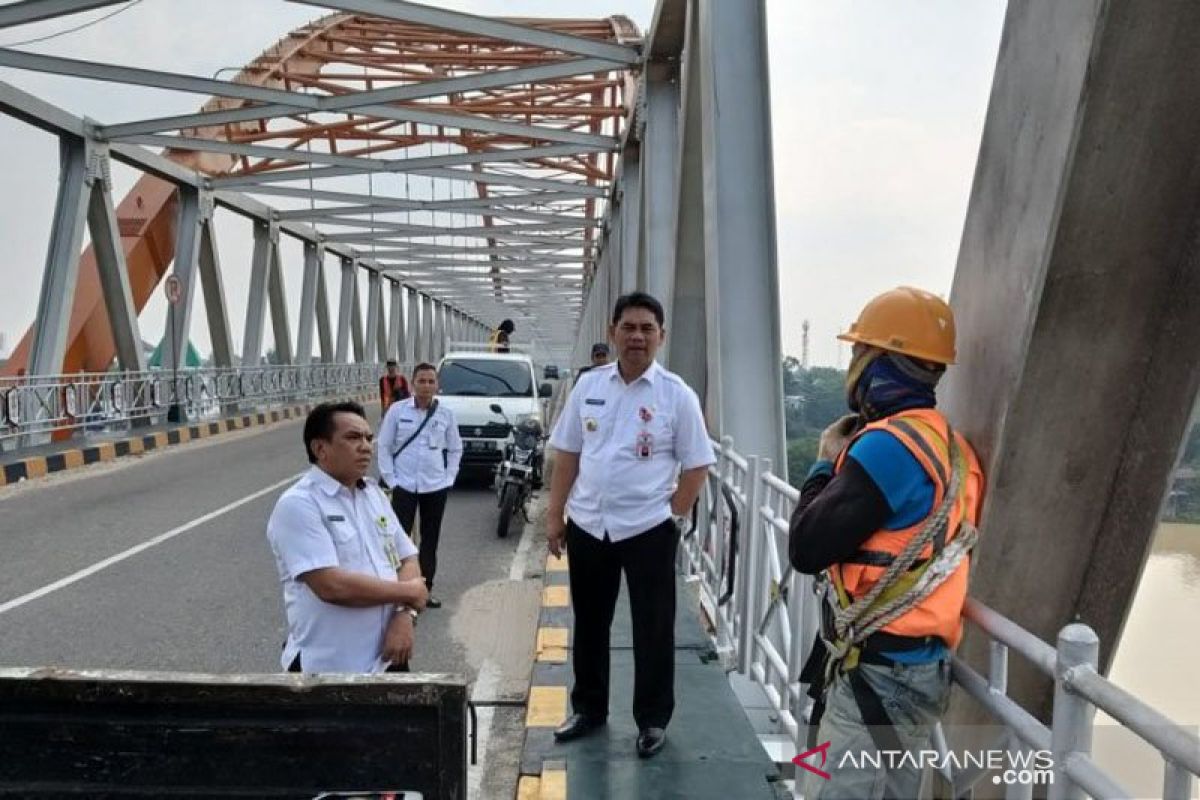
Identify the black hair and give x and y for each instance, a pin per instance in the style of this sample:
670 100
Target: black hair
638 300
391 362
424 365
507 326
320 423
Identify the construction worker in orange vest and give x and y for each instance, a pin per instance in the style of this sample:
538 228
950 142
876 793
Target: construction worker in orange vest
887 518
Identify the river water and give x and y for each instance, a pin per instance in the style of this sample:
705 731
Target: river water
1158 657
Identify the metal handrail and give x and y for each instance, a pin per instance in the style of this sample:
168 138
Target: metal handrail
31 407
765 634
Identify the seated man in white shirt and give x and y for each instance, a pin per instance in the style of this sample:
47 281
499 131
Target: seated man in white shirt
352 586
419 454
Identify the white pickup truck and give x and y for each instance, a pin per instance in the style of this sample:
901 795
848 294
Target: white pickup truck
470 381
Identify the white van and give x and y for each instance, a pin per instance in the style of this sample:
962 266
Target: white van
471 380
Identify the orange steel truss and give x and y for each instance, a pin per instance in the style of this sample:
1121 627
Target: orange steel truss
344 53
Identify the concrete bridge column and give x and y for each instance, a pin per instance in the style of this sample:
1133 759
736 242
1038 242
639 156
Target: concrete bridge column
396 320
438 342
1076 297
426 345
376 331
345 301
660 183
314 277
411 349
266 287
629 220
740 273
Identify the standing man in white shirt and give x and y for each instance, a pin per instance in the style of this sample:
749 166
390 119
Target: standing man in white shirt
419 453
632 453
352 586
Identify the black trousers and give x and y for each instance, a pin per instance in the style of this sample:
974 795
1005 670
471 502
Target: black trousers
433 507
648 561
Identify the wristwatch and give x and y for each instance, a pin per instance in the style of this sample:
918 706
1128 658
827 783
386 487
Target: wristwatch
682 522
412 612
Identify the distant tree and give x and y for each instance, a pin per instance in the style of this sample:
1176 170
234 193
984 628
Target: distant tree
801 453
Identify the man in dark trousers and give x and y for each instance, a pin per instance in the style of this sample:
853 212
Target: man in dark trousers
419 454
392 387
617 496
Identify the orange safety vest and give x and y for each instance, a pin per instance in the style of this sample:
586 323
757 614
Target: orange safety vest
924 433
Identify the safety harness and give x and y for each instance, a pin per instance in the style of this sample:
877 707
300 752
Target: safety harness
903 585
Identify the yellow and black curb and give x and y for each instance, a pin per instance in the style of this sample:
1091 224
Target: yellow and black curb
543 778
40 466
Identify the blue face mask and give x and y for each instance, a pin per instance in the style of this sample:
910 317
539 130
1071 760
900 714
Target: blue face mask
892 383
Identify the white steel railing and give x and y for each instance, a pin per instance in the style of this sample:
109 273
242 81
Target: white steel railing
764 616
32 406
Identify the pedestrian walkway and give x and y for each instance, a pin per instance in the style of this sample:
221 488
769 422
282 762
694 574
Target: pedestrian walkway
711 751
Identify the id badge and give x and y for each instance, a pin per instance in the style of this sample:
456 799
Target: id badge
644 448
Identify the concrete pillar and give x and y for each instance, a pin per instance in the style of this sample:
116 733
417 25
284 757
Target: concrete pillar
213 285
345 302
61 273
376 336
739 209
687 330
438 342
324 329
277 297
631 219
313 277
426 341
660 184
256 300
411 349
1076 297
111 267
356 320
396 321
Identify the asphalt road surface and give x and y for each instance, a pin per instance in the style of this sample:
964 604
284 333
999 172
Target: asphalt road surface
160 562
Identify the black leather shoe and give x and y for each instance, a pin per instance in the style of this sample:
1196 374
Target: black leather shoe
433 602
577 725
650 741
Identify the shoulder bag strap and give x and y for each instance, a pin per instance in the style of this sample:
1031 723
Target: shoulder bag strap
428 416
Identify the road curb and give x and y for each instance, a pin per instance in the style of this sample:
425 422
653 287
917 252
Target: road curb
549 679
40 466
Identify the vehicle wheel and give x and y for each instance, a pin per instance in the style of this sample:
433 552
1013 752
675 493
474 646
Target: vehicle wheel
509 499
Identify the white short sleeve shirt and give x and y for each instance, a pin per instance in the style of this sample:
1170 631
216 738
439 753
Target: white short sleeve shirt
319 523
632 440
430 462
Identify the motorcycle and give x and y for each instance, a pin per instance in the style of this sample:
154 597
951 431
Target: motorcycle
520 471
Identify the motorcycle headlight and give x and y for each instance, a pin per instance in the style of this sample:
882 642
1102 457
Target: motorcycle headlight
519 418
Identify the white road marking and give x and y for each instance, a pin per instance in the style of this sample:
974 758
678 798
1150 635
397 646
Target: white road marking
485 687
36 594
488 680
516 572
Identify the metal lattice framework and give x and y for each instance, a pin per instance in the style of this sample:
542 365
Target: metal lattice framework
474 168
468 159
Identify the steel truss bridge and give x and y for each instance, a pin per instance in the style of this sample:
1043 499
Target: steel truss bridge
523 169
477 169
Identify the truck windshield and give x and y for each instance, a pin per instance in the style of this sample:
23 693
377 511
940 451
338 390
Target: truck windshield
478 377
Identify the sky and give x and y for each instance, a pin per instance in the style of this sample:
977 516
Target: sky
877 111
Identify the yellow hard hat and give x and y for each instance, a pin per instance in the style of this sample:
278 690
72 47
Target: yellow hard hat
909 321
